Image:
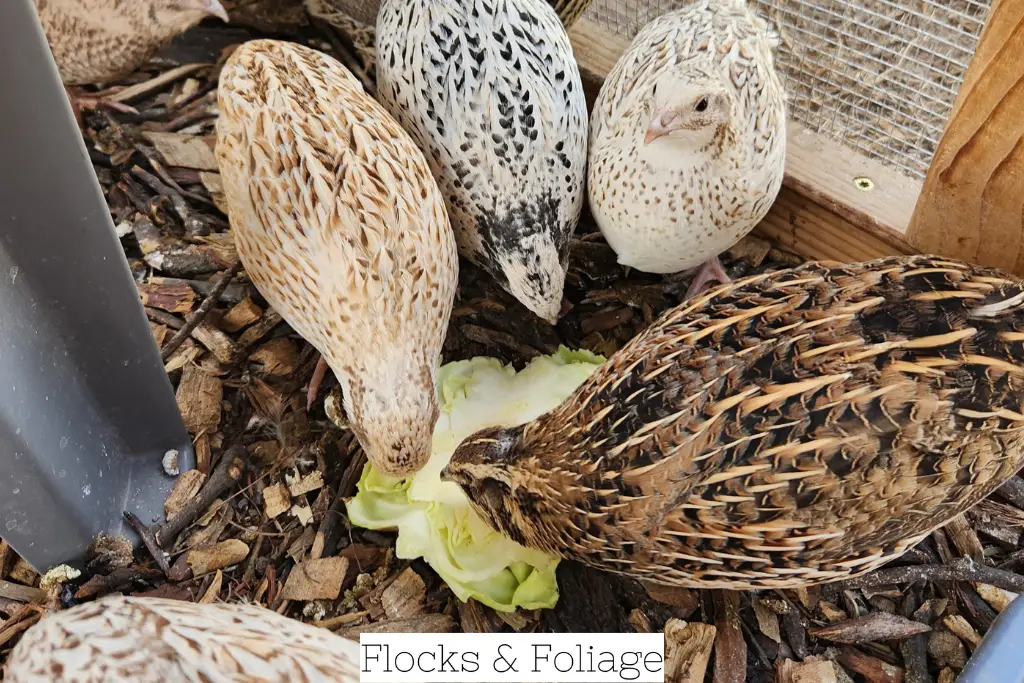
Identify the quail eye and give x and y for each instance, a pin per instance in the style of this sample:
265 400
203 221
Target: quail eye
654 90
702 105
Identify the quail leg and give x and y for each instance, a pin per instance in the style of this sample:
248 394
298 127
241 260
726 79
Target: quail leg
81 102
314 382
711 271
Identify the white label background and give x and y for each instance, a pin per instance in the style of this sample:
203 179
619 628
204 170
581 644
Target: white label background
485 657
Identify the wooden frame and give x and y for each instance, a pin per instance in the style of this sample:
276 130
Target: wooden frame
972 204
839 204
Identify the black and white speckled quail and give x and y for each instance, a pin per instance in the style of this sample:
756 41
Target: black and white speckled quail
492 93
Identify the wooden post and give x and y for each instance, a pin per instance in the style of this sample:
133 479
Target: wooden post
972 203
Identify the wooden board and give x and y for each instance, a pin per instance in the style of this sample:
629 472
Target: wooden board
972 206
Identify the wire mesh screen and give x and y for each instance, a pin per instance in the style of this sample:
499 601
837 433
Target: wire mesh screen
880 76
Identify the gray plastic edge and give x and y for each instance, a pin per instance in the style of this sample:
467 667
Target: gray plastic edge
86 408
1000 657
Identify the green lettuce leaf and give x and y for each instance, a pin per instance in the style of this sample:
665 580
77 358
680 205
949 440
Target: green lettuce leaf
433 518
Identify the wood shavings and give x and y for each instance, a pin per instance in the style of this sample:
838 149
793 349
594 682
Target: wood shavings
159 333
276 500
831 613
767 620
224 554
221 345
946 649
683 598
316 579
687 650
428 623
185 489
303 513
277 357
475 617
873 627
210 596
404 597
871 668
963 630
301 485
213 184
19 593
730 646
806 672
640 621
23 573
187 151
997 597
199 399
173 298
964 538
241 315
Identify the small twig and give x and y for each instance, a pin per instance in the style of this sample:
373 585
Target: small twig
193 224
232 294
228 472
117 580
162 173
154 84
204 91
186 119
762 657
149 540
961 569
164 318
19 621
170 111
200 314
135 194
1012 561
19 593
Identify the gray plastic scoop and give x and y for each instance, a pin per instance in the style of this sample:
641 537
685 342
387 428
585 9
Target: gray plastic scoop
86 409
1000 657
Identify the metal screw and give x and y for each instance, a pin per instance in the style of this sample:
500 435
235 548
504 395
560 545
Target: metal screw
864 183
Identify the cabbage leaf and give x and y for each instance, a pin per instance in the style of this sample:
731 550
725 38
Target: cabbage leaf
434 519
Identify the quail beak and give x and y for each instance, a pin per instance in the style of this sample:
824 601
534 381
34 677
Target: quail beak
446 475
216 9
656 129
